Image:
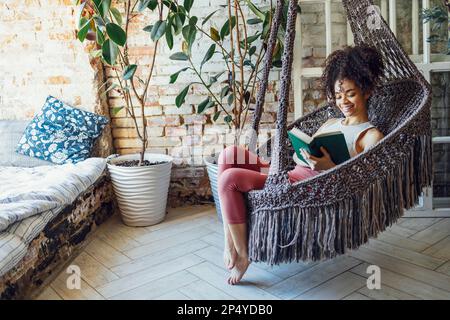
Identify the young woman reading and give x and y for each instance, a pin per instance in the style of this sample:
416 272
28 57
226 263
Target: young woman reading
349 77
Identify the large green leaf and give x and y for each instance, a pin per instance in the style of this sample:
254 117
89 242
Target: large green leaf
208 54
193 21
180 56
102 7
216 115
227 119
252 50
174 76
110 51
116 110
255 10
225 90
169 36
84 28
158 30
99 37
116 34
143 4
254 21
205 104
189 33
214 79
148 28
129 71
209 17
177 23
179 100
225 31
188 4
152 4
230 99
117 15
253 38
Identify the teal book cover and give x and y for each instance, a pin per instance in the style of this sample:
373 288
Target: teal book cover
334 142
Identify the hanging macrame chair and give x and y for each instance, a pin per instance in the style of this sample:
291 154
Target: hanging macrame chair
343 207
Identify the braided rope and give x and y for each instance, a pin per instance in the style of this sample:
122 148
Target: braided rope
260 99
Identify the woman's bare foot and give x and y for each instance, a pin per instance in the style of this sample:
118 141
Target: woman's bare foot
240 267
229 253
229 257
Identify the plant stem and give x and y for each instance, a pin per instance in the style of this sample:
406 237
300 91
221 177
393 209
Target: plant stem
207 87
233 72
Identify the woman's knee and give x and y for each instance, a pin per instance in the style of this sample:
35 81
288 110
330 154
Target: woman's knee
227 180
228 155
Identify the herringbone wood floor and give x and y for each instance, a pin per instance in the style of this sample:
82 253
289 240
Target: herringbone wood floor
181 258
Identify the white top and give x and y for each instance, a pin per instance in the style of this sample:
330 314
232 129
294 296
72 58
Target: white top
351 134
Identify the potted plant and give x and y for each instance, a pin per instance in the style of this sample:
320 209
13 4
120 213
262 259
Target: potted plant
437 16
241 43
140 181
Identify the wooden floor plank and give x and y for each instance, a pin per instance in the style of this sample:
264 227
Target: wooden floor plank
153 289
173 295
164 244
434 233
445 268
386 293
112 235
86 292
138 279
92 271
401 231
157 258
335 289
356 296
105 254
202 290
312 277
215 239
184 226
217 277
400 267
408 285
418 224
440 250
286 270
404 254
406 243
48 294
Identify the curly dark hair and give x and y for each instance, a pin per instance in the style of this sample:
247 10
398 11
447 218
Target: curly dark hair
362 64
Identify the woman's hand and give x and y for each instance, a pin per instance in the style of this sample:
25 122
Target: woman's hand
315 163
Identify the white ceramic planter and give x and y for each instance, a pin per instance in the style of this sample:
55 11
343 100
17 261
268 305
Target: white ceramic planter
212 168
141 191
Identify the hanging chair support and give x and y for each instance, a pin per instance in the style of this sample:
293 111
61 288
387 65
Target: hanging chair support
267 64
279 161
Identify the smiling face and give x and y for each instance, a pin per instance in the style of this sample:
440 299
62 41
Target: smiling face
350 99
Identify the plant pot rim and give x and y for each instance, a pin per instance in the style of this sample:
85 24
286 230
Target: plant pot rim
113 159
212 159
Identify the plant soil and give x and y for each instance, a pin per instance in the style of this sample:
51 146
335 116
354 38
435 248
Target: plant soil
135 163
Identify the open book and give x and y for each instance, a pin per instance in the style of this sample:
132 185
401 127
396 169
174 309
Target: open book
333 142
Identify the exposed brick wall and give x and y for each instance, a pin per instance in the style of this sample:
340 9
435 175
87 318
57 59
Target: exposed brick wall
40 56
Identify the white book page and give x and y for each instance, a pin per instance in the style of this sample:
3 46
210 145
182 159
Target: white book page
301 135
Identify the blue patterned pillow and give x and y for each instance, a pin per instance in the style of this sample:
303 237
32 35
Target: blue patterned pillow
60 133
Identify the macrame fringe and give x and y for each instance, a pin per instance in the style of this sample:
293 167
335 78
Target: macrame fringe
310 234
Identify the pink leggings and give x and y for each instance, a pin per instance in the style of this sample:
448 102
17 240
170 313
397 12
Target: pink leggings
241 171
